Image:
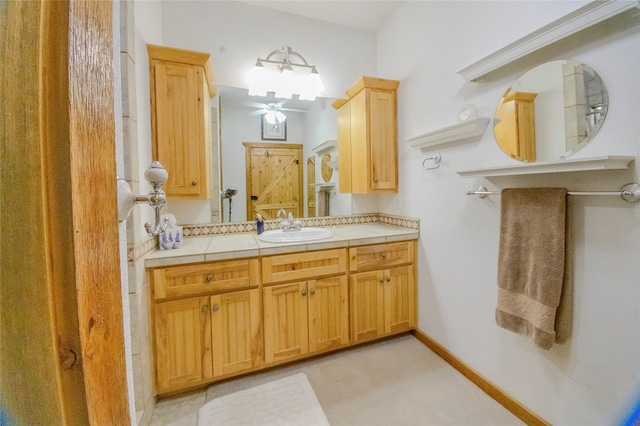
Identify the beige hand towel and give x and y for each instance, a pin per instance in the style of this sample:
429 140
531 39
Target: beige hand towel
533 298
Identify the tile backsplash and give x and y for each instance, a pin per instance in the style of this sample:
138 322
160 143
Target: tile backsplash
203 230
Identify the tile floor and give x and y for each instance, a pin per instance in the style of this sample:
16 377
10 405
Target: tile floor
398 381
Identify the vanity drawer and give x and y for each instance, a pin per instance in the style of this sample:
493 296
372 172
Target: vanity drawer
381 256
205 278
301 266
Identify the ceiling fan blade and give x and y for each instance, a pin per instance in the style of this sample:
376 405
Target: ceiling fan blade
281 103
255 104
257 112
294 110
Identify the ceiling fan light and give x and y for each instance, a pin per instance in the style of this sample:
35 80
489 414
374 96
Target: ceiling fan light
270 117
280 116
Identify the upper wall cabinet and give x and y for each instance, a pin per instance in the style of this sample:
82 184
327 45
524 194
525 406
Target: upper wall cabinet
181 87
368 137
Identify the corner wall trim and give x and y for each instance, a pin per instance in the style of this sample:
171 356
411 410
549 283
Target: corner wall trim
515 407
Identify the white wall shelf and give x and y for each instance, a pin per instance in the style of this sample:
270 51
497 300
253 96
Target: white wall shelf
610 162
464 130
584 17
325 147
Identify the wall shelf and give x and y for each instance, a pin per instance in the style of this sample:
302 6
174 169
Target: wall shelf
584 17
325 147
609 162
333 164
464 130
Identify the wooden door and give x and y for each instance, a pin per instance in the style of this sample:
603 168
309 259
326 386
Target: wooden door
179 124
328 313
60 268
235 327
400 299
311 189
183 343
366 294
285 321
274 179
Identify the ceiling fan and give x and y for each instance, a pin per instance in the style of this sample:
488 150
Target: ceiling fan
273 112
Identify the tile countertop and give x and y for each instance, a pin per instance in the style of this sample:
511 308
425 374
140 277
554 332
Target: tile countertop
232 246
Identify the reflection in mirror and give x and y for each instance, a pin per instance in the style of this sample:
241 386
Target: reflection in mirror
551 112
240 121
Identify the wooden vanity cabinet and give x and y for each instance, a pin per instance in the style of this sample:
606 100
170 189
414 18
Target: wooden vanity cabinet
368 137
306 315
181 84
382 290
206 322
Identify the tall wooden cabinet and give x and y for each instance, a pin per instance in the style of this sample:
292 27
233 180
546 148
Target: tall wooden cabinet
181 84
368 137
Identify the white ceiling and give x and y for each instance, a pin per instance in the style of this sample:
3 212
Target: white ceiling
366 15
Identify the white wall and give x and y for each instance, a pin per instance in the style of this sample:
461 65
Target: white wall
588 380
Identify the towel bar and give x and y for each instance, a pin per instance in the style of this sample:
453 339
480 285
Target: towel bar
629 192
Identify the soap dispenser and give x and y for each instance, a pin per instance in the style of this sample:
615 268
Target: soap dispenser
259 223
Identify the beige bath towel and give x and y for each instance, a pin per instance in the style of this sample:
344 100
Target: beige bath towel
534 287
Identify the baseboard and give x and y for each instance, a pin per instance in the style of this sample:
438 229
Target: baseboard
518 410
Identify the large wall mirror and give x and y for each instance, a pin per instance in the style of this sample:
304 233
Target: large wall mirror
239 118
551 112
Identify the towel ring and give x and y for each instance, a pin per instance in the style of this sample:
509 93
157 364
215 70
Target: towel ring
436 161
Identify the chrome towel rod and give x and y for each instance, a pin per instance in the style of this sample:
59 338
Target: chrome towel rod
629 192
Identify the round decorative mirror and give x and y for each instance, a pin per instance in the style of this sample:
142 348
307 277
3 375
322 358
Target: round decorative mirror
551 112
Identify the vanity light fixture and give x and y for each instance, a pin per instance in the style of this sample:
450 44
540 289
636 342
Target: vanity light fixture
156 175
285 72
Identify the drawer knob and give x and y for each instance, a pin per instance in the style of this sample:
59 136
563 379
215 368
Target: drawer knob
304 292
384 255
209 277
205 309
194 182
216 308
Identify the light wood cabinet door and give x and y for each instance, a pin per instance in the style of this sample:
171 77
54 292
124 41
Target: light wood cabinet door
328 313
399 299
382 302
180 124
235 326
183 343
285 321
367 305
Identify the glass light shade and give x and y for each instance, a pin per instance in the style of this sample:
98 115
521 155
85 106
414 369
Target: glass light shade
270 117
280 117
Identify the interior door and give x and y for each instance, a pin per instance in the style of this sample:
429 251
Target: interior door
274 179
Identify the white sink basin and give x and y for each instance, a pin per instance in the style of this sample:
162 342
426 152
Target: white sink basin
304 234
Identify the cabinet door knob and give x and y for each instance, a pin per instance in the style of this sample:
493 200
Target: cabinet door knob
375 179
384 255
381 280
194 182
209 277
313 292
388 279
304 292
216 308
205 309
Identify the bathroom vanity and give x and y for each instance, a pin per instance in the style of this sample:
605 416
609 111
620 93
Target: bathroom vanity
230 304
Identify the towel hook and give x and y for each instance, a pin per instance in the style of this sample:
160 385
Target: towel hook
436 161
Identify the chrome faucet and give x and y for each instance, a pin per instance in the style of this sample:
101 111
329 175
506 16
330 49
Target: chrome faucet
288 222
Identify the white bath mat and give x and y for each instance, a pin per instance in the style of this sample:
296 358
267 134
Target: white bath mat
289 401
